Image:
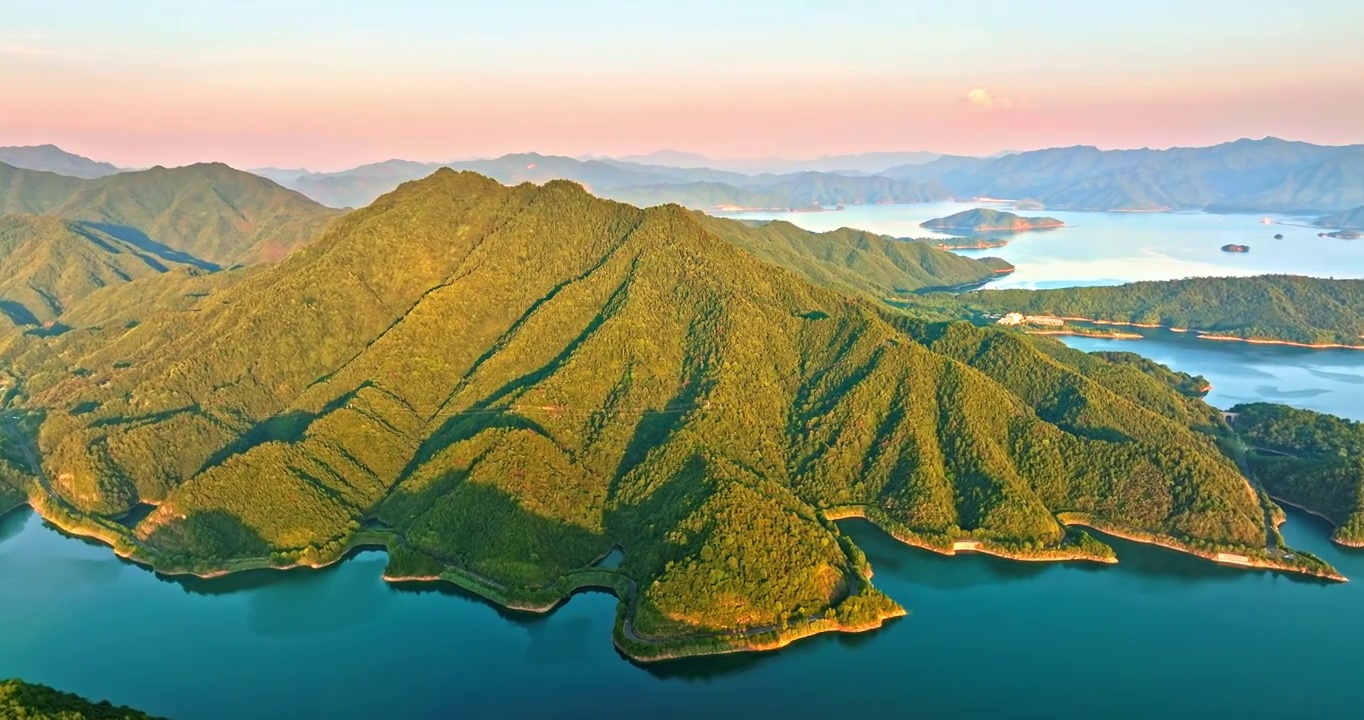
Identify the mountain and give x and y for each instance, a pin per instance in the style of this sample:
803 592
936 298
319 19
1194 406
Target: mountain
870 163
853 261
283 176
26 701
501 384
1349 219
50 158
800 192
696 188
984 220
1268 175
1287 308
47 264
207 214
1309 459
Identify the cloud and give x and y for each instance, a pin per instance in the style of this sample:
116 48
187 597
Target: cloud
981 100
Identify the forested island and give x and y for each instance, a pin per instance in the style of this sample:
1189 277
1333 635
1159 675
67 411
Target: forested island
27 701
984 220
1268 308
707 395
1308 459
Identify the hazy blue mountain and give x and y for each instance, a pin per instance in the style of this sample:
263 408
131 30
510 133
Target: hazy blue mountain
51 158
870 163
1268 175
1352 219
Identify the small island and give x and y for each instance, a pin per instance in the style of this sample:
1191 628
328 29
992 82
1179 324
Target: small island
1342 234
966 242
983 220
1234 248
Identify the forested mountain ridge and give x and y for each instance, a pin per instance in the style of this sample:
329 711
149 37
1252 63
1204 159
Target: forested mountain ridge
27 701
207 214
1310 459
47 264
1268 175
1290 308
504 383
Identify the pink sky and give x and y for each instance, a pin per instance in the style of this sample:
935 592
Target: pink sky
328 98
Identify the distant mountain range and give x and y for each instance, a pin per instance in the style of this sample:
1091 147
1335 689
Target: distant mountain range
54 159
1268 175
696 188
870 163
1350 219
208 214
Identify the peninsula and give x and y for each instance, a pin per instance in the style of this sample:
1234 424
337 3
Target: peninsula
1288 309
704 394
984 220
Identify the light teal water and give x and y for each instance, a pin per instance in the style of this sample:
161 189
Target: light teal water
1110 248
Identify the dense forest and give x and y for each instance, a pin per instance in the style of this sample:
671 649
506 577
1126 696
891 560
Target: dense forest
987 220
1309 459
27 701
207 214
1268 307
503 383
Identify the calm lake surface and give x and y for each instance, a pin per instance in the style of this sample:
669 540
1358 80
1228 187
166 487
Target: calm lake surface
1158 635
1112 248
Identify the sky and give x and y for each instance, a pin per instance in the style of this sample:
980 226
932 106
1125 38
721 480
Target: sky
329 84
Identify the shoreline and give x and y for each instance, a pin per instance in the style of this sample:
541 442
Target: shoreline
1220 558
1096 336
978 547
1334 526
1208 334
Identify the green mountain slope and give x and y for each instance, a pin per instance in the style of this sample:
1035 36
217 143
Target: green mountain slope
854 261
501 384
1268 307
47 264
207 214
1309 459
985 220
26 701
51 158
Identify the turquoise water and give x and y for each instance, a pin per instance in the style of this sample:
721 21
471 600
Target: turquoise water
1330 381
1111 248
1158 635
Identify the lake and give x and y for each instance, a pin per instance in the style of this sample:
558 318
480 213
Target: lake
1158 635
1111 248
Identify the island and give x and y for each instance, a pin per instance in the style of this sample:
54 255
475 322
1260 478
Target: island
708 397
1307 459
1276 309
1342 234
28 701
1233 248
964 242
1027 205
985 220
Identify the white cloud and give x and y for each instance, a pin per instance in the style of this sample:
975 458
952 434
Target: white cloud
980 99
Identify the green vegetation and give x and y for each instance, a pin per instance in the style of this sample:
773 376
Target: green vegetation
26 701
1309 459
985 220
854 261
501 384
1269 307
47 264
209 214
